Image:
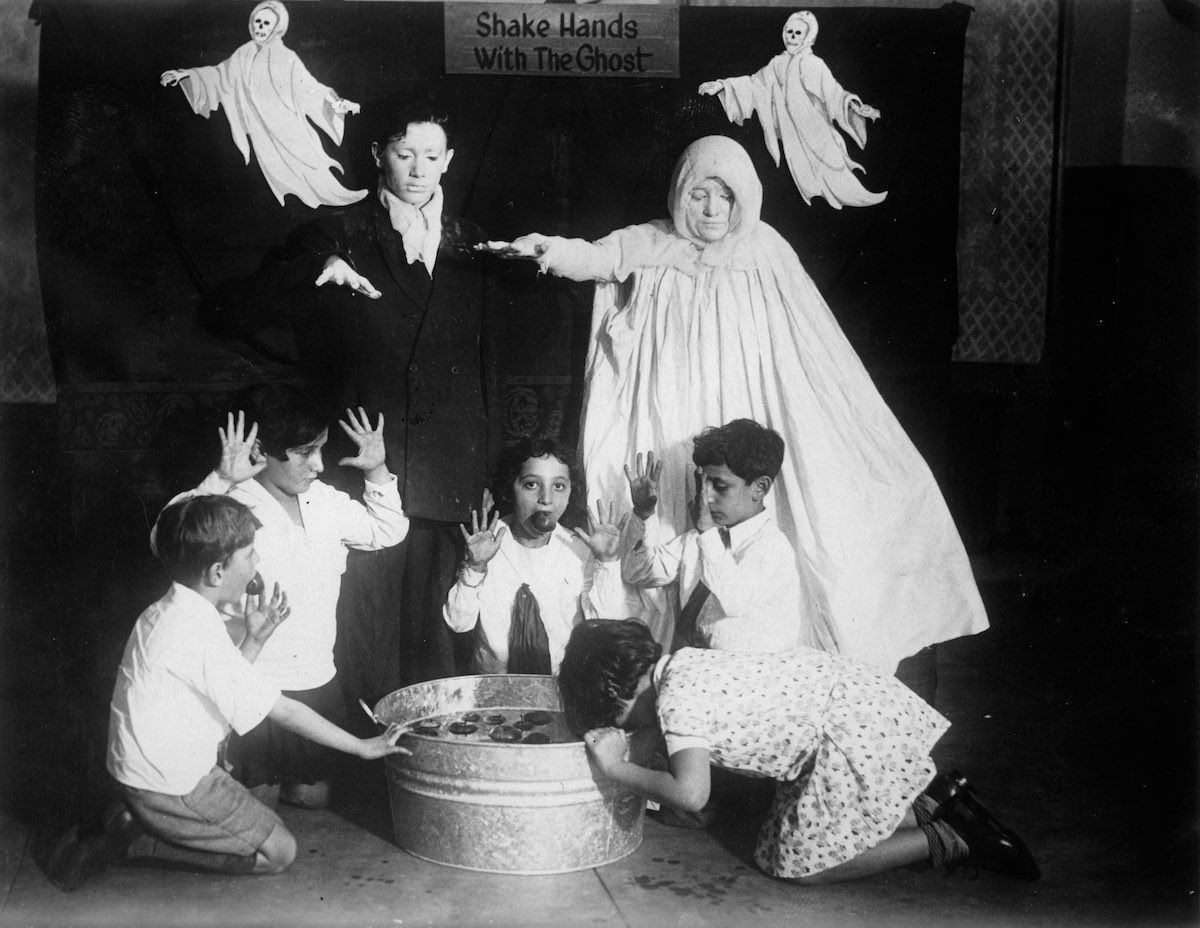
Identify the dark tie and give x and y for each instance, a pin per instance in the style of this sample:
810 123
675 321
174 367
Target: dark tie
685 622
528 647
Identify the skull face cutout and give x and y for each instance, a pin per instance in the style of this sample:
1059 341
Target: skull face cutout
799 32
263 24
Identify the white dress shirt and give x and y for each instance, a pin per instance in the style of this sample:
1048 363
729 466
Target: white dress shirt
307 561
755 588
181 687
567 581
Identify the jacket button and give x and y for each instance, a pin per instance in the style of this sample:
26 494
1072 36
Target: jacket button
453 370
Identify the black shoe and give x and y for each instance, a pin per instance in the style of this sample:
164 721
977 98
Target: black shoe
992 845
77 857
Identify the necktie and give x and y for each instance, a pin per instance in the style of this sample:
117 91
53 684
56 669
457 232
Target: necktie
528 646
685 622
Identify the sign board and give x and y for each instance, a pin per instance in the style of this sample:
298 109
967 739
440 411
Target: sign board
562 40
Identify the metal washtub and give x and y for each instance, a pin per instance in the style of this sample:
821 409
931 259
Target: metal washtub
498 807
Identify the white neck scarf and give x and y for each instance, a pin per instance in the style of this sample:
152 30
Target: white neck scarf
420 228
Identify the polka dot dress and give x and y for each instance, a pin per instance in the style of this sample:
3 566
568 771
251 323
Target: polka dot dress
848 746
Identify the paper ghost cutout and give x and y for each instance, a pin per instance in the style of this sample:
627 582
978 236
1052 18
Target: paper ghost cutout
798 102
269 98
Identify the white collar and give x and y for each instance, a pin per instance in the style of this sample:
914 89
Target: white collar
420 227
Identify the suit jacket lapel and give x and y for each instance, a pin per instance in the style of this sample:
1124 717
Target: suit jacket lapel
411 279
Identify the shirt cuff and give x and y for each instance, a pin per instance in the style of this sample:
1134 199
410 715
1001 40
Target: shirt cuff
215 485
380 488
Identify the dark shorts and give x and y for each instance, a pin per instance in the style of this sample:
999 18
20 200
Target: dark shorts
218 816
270 753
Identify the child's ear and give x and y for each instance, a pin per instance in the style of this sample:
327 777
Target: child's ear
760 487
213 575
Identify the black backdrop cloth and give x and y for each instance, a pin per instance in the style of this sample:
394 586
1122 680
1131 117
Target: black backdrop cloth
145 210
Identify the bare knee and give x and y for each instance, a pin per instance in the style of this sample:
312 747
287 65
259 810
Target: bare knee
277 852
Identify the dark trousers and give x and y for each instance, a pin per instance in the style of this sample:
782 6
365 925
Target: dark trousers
390 627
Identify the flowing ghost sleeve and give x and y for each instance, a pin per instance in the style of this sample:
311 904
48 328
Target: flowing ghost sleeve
305 95
841 106
743 96
210 87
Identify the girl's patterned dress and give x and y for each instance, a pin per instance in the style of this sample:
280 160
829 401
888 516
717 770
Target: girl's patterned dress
849 747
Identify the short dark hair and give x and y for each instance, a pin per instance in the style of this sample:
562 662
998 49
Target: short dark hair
394 123
603 663
512 458
748 449
196 533
287 417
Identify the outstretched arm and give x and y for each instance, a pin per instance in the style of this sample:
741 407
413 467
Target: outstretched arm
297 717
685 785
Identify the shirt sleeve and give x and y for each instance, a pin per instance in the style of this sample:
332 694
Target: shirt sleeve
378 521
757 617
604 594
240 695
645 563
461 610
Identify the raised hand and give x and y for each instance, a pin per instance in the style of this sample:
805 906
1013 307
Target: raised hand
701 516
483 541
240 457
384 744
710 88
172 77
371 451
643 484
264 615
342 274
603 536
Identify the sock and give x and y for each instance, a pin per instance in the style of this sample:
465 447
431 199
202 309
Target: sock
946 846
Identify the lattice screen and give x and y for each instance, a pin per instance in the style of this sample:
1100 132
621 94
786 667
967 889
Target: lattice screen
1005 180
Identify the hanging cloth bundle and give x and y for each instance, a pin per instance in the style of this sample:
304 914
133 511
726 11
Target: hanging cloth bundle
528 646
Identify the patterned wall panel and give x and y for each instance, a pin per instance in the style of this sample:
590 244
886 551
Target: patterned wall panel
25 373
1008 138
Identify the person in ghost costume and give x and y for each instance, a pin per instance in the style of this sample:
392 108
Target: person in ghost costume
798 102
709 316
269 98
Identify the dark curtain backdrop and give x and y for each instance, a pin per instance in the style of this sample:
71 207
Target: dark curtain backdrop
145 208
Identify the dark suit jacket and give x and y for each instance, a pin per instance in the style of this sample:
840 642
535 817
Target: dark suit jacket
422 354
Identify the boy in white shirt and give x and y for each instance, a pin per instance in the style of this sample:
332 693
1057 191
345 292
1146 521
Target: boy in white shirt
739 588
182 686
307 529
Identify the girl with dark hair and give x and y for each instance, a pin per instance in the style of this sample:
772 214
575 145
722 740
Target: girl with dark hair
857 792
525 581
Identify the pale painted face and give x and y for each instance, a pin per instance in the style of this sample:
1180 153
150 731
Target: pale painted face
412 165
795 31
540 496
263 24
709 206
295 473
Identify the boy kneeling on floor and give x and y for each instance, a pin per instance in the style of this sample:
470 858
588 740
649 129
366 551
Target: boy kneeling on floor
181 688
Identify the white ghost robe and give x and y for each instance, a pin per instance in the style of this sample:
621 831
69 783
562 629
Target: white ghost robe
687 336
798 102
269 98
